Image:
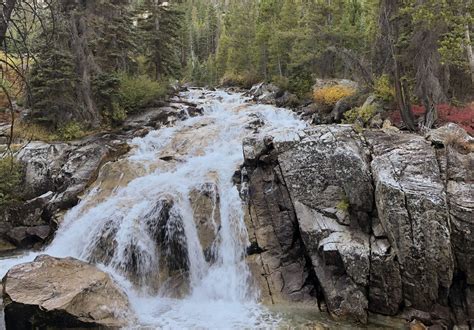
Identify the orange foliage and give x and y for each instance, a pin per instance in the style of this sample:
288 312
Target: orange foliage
330 95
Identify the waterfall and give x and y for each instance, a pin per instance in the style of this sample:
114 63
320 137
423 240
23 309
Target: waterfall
167 223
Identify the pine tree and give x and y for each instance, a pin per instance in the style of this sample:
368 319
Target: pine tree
52 83
160 26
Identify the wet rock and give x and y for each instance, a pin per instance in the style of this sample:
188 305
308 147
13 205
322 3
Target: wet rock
62 293
256 123
451 135
257 149
163 115
264 93
454 152
165 225
206 209
309 110
383 221
20 223
66 169
329 168
55 174
345 104
286 99
28 236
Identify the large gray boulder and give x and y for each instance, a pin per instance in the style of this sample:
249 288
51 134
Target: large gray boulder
412 208
328 176
62 293
384 220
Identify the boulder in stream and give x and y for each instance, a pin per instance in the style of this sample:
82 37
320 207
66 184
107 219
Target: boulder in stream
62 293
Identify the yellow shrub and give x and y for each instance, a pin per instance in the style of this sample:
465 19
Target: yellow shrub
330 95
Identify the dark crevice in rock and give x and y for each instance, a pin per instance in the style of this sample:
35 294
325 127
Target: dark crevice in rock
311 279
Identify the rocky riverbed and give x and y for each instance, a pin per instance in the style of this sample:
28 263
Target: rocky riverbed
334 219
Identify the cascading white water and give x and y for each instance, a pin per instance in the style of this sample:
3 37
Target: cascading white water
135 224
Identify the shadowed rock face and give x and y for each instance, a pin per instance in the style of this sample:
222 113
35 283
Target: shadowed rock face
377 222
62 293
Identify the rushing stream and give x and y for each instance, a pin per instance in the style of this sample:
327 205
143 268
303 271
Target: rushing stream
148 196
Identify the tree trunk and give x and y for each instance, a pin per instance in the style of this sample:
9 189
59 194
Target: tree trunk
470 54
85 66
7 9
403 99
389 9
429 71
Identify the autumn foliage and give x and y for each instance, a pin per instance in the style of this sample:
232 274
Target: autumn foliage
330 95
463 116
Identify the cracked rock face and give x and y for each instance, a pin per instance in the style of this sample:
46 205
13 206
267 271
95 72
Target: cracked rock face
411 204
376 222
62 293
277 258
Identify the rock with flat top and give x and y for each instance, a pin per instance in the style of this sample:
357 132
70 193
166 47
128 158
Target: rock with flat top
62 293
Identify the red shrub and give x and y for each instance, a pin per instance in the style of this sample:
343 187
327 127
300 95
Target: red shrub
463 116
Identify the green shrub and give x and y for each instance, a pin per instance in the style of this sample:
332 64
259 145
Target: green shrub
343 204
364 114
383 89
71 131
10 179
281 82
139 91
301 83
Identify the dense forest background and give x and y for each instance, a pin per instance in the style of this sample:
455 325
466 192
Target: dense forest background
87 64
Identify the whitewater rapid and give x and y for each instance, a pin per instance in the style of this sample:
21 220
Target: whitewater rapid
110 226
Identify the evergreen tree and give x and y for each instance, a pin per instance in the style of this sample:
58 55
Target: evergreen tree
160 26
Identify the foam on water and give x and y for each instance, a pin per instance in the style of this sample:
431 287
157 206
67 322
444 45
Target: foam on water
206 148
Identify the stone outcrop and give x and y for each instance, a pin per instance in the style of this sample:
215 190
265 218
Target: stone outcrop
276 254
378 221
270 94
412 208
55 174
62 293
